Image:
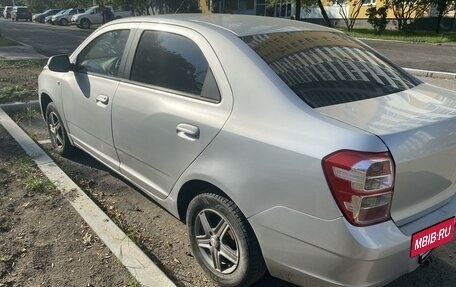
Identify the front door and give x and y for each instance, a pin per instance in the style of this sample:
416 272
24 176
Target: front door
90 92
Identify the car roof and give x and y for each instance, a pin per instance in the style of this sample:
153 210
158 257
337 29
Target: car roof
240 25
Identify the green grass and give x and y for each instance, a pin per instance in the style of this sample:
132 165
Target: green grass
28 114
38 63
33 179
413 36
133 282
12 92
7 42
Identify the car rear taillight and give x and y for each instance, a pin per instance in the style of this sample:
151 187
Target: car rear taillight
362 184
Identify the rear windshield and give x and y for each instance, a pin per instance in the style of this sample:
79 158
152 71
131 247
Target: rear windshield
328 68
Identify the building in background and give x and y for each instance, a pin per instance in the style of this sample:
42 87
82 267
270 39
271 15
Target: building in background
286 9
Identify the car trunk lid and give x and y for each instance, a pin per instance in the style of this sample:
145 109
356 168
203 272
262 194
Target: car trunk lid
419 128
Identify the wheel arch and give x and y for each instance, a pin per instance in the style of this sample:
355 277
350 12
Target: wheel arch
45 99
190 190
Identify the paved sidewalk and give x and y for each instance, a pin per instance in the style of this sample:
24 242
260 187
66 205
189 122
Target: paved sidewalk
19 53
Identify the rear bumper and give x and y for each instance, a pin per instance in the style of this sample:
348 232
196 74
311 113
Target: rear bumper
309 251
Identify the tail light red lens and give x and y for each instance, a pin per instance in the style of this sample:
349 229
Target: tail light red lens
362 184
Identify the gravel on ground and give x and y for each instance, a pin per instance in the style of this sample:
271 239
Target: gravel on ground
43 241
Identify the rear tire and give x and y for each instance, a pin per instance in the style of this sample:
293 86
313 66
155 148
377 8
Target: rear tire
63 22
85 24
57 132
223 242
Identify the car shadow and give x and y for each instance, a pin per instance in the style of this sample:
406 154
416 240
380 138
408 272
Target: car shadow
441 272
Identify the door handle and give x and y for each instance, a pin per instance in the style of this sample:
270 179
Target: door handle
188 132
102 99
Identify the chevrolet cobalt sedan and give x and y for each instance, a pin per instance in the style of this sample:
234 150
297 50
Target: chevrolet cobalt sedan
286 147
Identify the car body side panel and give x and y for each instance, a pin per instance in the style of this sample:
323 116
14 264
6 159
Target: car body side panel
49 83
265 156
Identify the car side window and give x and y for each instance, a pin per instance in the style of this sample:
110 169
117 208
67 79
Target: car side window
173 62
104 54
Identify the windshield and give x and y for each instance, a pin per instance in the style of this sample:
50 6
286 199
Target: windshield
328 68
62 12
89 11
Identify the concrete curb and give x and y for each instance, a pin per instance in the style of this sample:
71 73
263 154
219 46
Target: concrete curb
18 106
408 42
138 264
431 74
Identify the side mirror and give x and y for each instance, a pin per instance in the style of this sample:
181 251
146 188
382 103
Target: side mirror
59 63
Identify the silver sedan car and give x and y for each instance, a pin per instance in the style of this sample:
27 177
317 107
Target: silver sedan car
285 146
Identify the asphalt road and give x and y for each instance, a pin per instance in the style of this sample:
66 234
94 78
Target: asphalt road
51 40
44 38
421 56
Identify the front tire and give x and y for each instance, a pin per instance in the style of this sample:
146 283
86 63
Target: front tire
57 132
223 242
63 22
85 24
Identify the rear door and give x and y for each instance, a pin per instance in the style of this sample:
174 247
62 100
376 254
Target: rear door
174 102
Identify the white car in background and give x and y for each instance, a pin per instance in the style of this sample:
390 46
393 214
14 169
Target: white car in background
65 18
48 19
94 16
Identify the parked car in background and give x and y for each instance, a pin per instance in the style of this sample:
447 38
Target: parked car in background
21 13
327 164
7 12
94 16
41 16
65 18
48 19
1 11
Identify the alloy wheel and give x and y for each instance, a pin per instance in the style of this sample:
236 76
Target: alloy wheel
55 127
217 241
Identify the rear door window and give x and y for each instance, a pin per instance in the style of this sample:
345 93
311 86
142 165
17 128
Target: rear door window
173 62
328 68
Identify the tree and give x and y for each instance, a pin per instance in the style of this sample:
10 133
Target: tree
443 7
350 19
377 18
407 11
324 14
146 7
303 3
38 6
